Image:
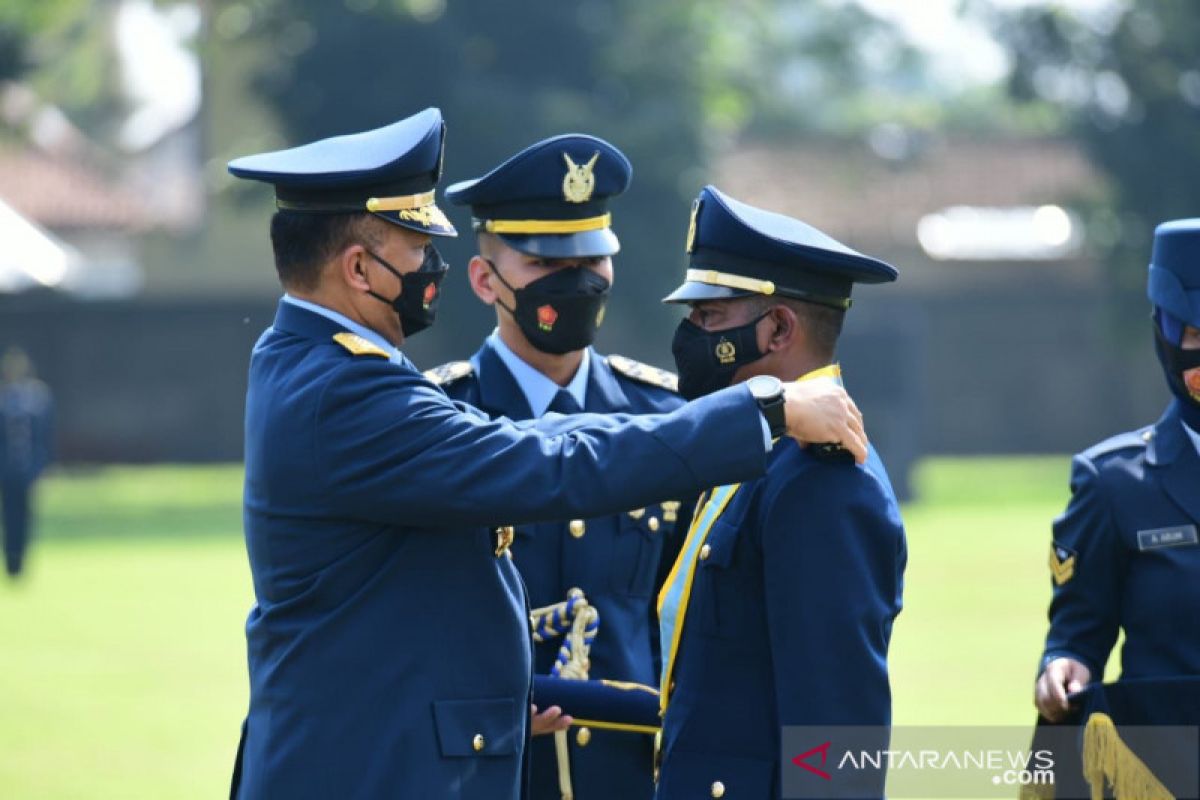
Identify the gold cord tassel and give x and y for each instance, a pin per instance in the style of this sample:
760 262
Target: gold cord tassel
564 765
577 622
1107 758
1036 791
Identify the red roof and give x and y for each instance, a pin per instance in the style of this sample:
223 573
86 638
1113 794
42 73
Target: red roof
59 194
844 189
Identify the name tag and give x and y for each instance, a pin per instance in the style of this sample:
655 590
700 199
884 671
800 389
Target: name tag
1174 536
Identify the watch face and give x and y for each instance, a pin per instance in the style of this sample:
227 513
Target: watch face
764 387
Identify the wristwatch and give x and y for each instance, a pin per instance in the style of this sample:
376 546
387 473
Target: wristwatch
768 393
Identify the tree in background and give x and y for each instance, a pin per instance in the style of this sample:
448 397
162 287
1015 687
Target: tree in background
672 83
669 82
1126 80
506 76
63 50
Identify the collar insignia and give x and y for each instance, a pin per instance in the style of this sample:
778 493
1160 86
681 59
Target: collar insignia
358 345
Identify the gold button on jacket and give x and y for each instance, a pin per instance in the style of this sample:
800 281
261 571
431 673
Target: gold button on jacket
478 742
718 789
704 552
504 539
583 737
577 528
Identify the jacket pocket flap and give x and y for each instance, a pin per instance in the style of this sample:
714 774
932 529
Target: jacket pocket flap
477 727
718 547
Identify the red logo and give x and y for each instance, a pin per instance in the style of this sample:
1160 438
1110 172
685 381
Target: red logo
546 316
801 760
430 296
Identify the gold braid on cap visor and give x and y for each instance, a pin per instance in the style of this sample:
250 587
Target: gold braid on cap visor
404 202
729 280
714 278
534 226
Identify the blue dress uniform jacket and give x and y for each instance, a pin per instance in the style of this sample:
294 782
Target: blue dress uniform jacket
789 620
389 648
1125 555
614 559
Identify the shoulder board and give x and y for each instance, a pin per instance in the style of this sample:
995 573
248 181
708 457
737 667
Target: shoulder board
450 372
359 346
644 373
1122 441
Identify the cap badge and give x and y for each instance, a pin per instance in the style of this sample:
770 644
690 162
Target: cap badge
546 317
426 216
691 236
725 351
430 295
579 182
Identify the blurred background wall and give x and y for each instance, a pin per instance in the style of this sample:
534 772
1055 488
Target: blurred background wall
1010 157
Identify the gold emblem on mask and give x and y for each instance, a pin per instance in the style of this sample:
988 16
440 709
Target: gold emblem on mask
579 182
725 351
600 316
691 238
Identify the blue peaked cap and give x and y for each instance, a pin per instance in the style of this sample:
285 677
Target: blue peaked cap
736 250
1174 284
550 199
390 172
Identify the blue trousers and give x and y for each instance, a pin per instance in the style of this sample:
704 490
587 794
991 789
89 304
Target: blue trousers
14 493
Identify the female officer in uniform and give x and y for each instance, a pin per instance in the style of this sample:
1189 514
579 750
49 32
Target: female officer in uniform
1125 553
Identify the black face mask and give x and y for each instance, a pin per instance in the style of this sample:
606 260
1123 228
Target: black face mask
707 360
560 312
1175 361
419 291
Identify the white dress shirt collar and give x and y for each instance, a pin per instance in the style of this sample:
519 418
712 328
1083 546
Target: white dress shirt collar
538 389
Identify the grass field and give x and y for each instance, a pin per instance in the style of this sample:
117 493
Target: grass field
123 660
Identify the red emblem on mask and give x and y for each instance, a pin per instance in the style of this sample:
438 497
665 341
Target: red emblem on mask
546 316
430 296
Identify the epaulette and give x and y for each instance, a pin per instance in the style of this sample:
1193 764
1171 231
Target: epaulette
644 373
1122 441
449 372
359 346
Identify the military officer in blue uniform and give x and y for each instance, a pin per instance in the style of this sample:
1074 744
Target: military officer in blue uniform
1125 554
389 645
779 608
26 411
545 244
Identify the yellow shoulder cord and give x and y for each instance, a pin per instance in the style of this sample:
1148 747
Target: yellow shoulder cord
577 622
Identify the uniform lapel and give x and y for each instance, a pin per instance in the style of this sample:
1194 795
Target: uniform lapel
1177 462
499 392
675 595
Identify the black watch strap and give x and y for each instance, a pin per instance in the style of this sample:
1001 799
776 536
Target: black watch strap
772 409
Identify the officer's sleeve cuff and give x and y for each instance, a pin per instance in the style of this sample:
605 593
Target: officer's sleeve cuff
1096 670
766 429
